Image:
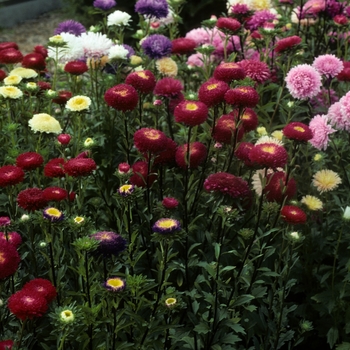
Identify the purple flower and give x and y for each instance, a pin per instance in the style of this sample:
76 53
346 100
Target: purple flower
130 49
110 243
104 5
259 18
320 130
334 8
157 46
71 27
166 226
152 8
115 284
5 221
329 65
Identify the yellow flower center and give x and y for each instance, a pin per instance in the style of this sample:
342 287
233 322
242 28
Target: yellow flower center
170 301
230 65
79 101
54 212
67 313
167 223
142 75
191 107
125 188
230 124
212 87
115 282
152 134
106 236
299 128
2 259
269 149
122 93
78 219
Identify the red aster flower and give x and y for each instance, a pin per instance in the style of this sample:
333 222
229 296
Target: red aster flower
10 175
123 168
297 131
287 43
42 287
212 92
229 71
191 113
276 189
256 35
228 23
122 97
173 102
27 305
12 237
8 45
149 140
76 67
55 193
31 199
62 98
341 20
182 46
9 259
29 160
140 176
168 87
269 155
79 167
34 61
44 85
143 81
242 96
293 215
6 344
167 155
84 154
249 119
256 70
110 243
54 168
3 75
5 221
225 129
42 50
242 152
344 75
197 155
228 184
170 203
10 56
64 139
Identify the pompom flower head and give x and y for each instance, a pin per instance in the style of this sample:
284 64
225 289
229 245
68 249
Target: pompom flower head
41 287
10 56
29 160
328 65
212 92
70 26
55 193
11 175
44 123
53 214
312 202
104 5
78 103
76 67
9 259
229 71
191 113
122 97
54 168
256 70
12 237
288 43
141 176
293 215
156 46
149 140
269 155
196 155
79 167
182 46
115 284
276 188
320 130
118 18
166 226
170 203
326 180
225 129
168 87
242 96
152 8
110 243
297 131
31 199
143 81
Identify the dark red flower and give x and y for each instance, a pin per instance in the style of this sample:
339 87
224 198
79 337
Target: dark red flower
64 139
276 189
110 243
3 75
297 131
173 102
287 43
249 119
42 287
8 45
256 70
242 152
228 23
242 96
269 155
196 155
6 344
54 168
76 67
167 155
42 50
344 75
62 98
212 92
168 87
31 199
149 140
34 61
123 168
55 193
140 176
44 85
340 20
191 113
293 215
225 128
79 167
229 71
10 56
29 160
10 175
143 81
9 259
228 184
12 237
170 203
122 97
182 46
27 305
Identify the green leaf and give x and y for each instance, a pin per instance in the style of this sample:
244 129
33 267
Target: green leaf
332 336
242 299
343 346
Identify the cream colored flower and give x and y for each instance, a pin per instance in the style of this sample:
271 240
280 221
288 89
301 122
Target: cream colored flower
67 316
56 39
312 202
135 60
268 139
10 91
167 66
78 103
277 134
259 5
25 73
43 122
326 180
89 142
261 130
31 86
12 79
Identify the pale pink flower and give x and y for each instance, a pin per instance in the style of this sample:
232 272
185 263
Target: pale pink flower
199 35
320 130
345 107
336 118
196 60
329 65
303 81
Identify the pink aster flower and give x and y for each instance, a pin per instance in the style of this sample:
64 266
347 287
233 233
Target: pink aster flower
303 81
329 65
199 35
320 130
256 70
336 118
345 107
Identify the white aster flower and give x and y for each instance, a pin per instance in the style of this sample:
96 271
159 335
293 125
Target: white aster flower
13 79
25 73
118 18
72 51
118 52
95 45
10 91
268 139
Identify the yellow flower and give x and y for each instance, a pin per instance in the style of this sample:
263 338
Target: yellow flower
259 5
10 92
261 131
78 103
25 73
167 66
326 180
89 142
31 86
56 39
318 157
313 203
278 134
170 302
13 79
43 122
79 220
67 316
135 60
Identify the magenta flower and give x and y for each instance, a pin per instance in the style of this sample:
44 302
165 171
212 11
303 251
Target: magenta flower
320 130
259 18
329 65
303 81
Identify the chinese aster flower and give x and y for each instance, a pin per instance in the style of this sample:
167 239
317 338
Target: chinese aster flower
11 175
269 155
149 140
182 46
167 66
62 98
170 302
118 52
3 75
191 113
228 23
27 305
197 154
288 43
242 152
9 259
166 226
31 199
212 92
228 184
344 75
104 5
41 287
4 221
95 45
126 190
8 45
152 8
293 215
53 214
141 177
12 237
326 180
79 167
122 97
43 122
118 18
34 61
55 193
303 81
256 70
41 49
70 26
297 131
345 107
54 168
168 87
167 155
320 130
249 119
242 96
259 18
6 344
328 65
123 168
336 118
10 56
11 92
312 202
156 46
78 103
229 71
29 160
276 188
12 80
110 243
143 81
268 139
76 67
115 284
170 203
225 129
199 35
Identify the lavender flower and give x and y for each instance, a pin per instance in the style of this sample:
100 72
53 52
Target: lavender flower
110 243
130 49
70 26
156 46
166 226
104 5
152 8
